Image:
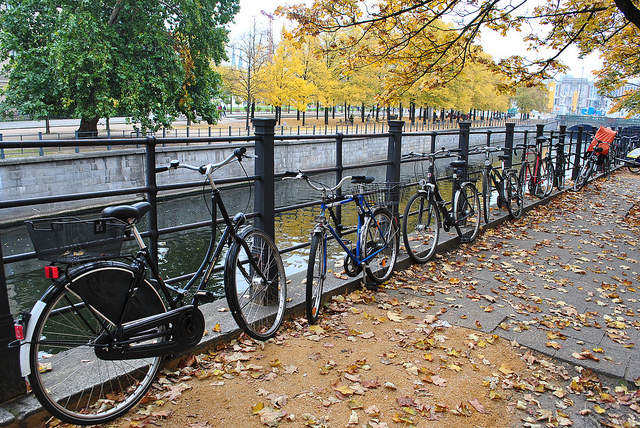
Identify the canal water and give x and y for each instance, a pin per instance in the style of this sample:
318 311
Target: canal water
182 252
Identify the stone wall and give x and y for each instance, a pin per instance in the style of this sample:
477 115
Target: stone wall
91 172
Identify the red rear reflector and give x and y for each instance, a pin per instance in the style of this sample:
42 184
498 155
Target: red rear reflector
51 272
19 331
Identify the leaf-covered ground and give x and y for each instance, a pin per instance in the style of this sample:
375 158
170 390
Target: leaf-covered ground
440 345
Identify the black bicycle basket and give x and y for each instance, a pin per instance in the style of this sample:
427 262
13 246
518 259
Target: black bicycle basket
70 240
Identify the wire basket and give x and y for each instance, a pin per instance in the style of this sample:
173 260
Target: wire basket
69 240
383 194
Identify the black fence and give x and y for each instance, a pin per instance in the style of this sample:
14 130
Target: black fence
565 146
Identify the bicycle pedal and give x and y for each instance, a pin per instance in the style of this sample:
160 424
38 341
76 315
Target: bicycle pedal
204 296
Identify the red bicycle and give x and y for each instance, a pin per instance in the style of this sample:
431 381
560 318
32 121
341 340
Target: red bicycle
538 175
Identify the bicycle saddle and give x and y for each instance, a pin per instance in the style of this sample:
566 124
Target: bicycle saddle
357 179
504 157
127 213
460 163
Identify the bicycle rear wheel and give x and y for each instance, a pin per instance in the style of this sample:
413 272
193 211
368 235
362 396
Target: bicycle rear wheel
67 377
257 298
380 236
514 195
420 227
583 176
466 212
316 273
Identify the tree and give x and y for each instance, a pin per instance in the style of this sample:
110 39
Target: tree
252 55
531 99
413 34
146 59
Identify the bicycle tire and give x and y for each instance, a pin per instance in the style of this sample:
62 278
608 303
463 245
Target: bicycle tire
514 195
486 195
380 234
466 211
67 377
525 177
583 176
634 169
546 176
257 306
316 272
420 227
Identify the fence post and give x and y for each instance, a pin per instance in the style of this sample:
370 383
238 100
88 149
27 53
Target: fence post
394 155
576 156
508 142
433 142
264 203
152 184
463 142
560 159
2 149
11 384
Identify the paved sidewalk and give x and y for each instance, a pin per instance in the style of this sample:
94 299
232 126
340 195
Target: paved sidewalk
561 281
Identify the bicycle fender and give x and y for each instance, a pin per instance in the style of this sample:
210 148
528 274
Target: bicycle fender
25 345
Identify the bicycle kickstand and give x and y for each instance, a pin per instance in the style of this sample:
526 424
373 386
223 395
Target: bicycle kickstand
368 285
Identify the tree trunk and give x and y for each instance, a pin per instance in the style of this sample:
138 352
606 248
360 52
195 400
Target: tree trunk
326 115
47 125
88 127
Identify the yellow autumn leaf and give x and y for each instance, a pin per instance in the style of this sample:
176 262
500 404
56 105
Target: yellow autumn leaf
257 408
598 409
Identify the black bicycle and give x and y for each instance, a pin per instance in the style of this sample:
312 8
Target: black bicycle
94 342
427 212
592 160
508 188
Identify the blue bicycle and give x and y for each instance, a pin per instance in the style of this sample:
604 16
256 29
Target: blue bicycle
376 244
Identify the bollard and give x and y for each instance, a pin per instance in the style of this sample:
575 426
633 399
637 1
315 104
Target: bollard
264 202
560 158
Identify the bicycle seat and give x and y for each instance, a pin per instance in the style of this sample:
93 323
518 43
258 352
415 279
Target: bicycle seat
504 157
128 212
362 179
460 163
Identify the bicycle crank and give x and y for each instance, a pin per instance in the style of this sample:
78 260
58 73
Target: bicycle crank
182 327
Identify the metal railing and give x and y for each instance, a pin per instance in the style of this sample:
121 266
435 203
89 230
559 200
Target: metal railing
264 178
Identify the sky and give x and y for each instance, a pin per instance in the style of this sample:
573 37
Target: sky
497 46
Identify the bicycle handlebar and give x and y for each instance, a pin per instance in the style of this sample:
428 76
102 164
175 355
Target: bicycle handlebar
238 154
432 156
355 179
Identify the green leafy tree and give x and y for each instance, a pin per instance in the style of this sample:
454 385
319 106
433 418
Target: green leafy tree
531 99
147 59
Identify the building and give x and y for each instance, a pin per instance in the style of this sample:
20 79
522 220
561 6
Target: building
572 95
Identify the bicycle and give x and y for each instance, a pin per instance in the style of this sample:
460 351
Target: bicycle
506 183
94 342
539 178
376 243
427 212
591 161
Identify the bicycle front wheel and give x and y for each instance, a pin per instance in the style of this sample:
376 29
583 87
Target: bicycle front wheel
514 195
67 377
486 195
466 212
316 273
583 176
256 292
380 241
545 176
420 227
